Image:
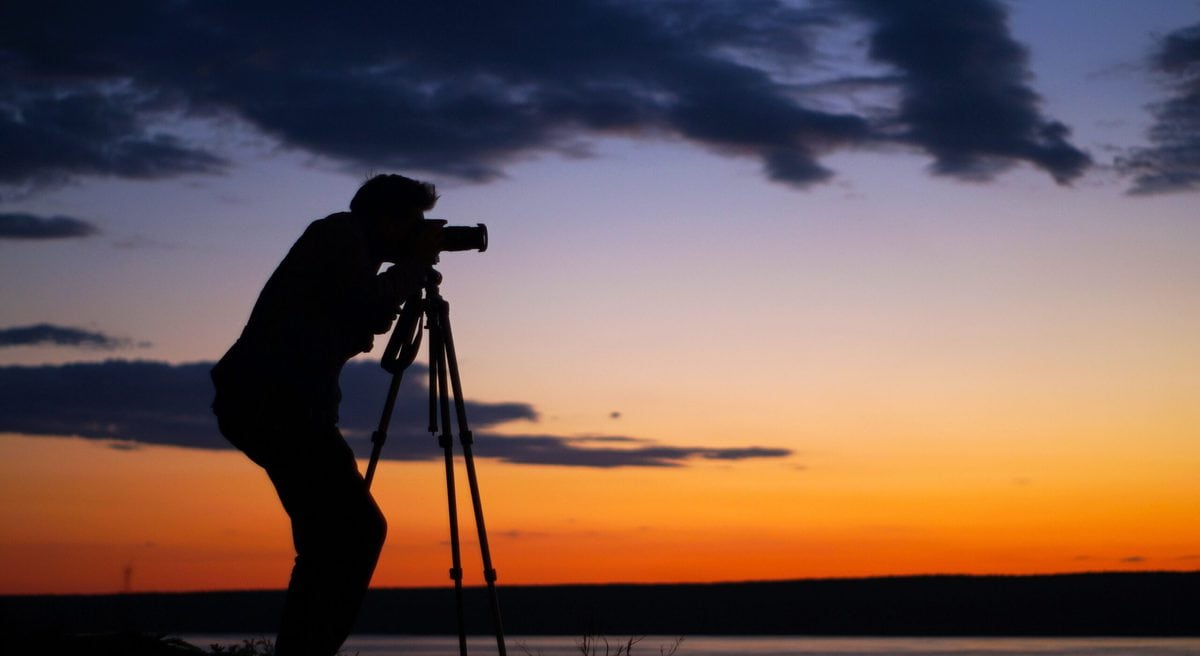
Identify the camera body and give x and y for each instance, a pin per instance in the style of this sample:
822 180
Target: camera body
425 239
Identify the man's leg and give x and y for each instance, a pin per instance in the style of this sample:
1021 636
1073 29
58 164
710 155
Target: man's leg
338 532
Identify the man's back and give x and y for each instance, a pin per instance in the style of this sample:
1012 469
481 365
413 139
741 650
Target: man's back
318 309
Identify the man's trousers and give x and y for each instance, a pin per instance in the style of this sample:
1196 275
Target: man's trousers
337 528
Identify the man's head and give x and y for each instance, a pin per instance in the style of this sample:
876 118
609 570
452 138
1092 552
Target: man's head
391 196
393 207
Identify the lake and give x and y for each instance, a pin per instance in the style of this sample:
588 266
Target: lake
761 646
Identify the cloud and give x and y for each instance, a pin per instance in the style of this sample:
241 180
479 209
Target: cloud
135 403
554 450
467 89
146 402
1172 162
16 225
964 86
48 334
52 129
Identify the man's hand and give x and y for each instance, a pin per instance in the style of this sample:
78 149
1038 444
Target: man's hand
404 279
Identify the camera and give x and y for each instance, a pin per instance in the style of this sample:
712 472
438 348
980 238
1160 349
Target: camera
462 238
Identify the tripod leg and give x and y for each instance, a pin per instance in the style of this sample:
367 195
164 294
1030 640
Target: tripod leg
489 572
433 380
400 352
439 398
467 440
380 434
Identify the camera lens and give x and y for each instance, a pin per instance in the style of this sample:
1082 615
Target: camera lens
465 238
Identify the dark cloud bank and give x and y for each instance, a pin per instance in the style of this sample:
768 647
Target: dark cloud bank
44 334
464 89
965 96
1172 162
158 403
17 225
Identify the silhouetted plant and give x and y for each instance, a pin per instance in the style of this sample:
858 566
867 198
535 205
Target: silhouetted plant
249 647
599 645
590 645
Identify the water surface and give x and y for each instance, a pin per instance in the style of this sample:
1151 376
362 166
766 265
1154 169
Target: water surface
760 646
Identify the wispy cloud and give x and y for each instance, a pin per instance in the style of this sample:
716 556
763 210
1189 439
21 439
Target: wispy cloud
1172 162
157 403
580 452
17 225
45 334
465 89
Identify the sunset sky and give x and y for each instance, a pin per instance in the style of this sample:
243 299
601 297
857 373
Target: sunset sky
775 289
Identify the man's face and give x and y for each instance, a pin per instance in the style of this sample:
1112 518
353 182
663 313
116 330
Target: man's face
405 235
399 227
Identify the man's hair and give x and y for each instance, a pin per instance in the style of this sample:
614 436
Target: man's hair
388 193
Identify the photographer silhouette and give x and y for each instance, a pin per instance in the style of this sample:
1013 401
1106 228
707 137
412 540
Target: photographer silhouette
277 393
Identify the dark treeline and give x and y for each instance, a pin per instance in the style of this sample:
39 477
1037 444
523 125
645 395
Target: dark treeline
1117 604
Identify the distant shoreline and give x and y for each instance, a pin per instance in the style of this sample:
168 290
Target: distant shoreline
1163 604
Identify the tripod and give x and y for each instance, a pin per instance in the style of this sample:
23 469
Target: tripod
443 378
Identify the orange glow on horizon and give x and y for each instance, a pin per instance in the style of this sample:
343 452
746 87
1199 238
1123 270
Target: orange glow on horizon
80 513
